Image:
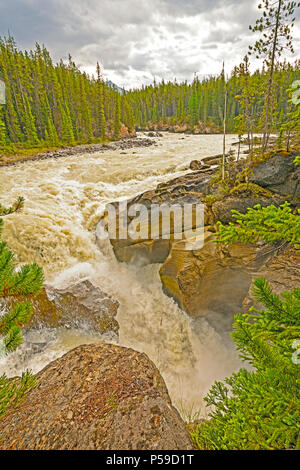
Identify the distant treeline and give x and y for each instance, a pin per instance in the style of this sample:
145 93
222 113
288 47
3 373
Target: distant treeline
173 103
51 104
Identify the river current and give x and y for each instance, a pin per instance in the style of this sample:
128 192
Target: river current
64 199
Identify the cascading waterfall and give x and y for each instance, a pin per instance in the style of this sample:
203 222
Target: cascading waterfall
64 199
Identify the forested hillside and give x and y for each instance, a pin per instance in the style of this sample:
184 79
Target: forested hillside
49 105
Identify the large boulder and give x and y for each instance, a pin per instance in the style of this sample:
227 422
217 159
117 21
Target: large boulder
81 305
216 281
279 175
96 397
185 189
212 281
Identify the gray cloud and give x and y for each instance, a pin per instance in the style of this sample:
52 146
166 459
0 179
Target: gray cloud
137 39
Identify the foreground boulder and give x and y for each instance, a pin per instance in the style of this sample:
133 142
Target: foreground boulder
96 397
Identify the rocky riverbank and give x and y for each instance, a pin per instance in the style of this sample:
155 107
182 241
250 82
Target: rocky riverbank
123 144
214 281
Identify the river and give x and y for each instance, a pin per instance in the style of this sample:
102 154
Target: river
63 201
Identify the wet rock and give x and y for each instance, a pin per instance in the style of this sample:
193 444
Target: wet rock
96 397
282 271
142 252
79 306
198 165
214 160
188 189
212 281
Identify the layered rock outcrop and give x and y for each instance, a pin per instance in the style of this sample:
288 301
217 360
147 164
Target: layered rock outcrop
96 397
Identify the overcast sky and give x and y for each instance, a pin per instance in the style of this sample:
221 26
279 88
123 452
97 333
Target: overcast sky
136 40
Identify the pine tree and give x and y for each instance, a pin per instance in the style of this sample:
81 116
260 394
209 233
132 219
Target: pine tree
30 127
100 109
67 127
246 119
3 137
25 282
275 26
117 120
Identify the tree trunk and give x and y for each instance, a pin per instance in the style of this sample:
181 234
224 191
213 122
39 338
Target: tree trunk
270 82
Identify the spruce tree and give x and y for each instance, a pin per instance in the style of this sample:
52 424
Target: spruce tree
101 125
3 137
117 119
275 27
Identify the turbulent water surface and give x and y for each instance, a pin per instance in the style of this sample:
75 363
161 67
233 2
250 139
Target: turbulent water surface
64 199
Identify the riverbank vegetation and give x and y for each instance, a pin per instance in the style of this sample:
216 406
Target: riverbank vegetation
23 283
259 408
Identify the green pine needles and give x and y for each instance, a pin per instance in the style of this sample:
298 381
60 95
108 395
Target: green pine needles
24 282
259 408
271 224
13 391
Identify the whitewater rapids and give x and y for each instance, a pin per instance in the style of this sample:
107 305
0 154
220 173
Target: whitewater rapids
64 199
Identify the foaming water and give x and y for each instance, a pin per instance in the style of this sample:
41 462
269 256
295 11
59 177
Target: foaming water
56 229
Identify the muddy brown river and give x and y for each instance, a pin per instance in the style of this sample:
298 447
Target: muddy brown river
64 199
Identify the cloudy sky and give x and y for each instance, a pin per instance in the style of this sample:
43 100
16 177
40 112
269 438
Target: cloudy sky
136 40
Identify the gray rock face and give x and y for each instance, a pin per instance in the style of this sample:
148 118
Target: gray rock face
182 190
280 175
96 397
221 210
